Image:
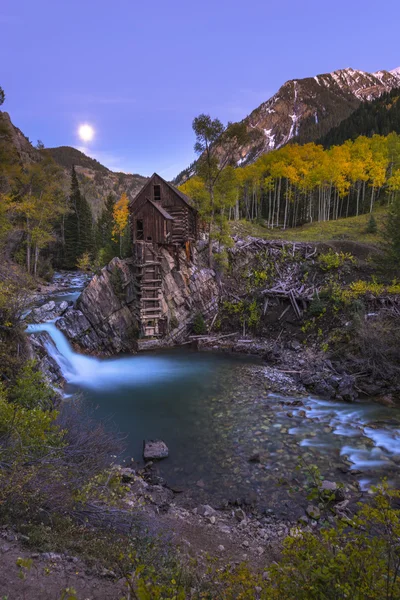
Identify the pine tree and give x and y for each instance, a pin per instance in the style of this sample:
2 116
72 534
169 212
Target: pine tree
106 247
372 226
78 227
86 242
392 238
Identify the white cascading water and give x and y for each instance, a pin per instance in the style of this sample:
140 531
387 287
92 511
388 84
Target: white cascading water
94 373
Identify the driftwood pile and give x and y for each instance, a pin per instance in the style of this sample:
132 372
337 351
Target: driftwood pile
274 247
288 286
295 296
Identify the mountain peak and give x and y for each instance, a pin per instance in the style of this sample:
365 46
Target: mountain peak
306 109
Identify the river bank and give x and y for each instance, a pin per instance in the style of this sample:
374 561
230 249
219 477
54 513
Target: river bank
243 432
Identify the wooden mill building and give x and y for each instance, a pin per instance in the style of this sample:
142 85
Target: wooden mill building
160 215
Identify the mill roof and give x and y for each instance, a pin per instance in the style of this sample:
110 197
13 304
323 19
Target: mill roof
188 201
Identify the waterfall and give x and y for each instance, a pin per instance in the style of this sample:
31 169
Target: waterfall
107 374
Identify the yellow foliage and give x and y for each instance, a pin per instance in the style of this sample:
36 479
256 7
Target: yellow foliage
121 215
360 288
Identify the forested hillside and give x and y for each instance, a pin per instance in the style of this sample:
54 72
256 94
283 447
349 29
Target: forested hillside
381 116
303 184
55 216
95 180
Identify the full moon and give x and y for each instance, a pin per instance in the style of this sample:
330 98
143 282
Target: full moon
86 132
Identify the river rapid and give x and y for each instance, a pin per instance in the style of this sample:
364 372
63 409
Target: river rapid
215 414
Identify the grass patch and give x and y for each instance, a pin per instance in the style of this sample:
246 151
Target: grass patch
352 228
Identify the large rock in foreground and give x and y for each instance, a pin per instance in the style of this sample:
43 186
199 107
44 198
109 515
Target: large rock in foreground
155 450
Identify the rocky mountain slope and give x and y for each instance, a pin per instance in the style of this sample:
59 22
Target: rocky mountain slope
381 116
306 109
96 181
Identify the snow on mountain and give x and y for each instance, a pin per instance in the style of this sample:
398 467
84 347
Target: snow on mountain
308 108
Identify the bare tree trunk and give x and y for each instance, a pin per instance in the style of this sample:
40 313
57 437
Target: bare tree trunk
36 260
371 206
211 223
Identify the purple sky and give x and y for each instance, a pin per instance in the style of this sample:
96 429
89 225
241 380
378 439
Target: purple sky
139 72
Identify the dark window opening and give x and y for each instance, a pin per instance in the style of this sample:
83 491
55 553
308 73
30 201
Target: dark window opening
157 193
149 238
139 230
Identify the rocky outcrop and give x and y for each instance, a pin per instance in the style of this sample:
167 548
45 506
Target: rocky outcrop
105 318
48 312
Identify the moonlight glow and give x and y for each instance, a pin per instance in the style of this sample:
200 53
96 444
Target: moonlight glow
86 132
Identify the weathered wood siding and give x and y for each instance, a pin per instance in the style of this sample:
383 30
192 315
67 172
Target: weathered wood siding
155 227
184 226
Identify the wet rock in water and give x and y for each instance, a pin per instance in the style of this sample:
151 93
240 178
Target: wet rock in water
155 449
48 366
47 312
346 388
386 400
77 328
63 306
313 512
255 458
322 388
48 307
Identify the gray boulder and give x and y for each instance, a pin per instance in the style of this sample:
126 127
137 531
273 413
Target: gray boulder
313 512
155 450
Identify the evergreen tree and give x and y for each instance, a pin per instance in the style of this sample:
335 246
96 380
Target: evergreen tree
78 226
86 241
372 226
106 247
392 238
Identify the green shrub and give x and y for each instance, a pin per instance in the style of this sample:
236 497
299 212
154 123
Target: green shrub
372 226
173 322
199 325
357 558
317 306
30 389
334 260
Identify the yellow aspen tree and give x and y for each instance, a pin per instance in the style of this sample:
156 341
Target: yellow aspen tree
120 216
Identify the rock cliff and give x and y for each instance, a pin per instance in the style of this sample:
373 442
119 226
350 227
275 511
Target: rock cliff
105 322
